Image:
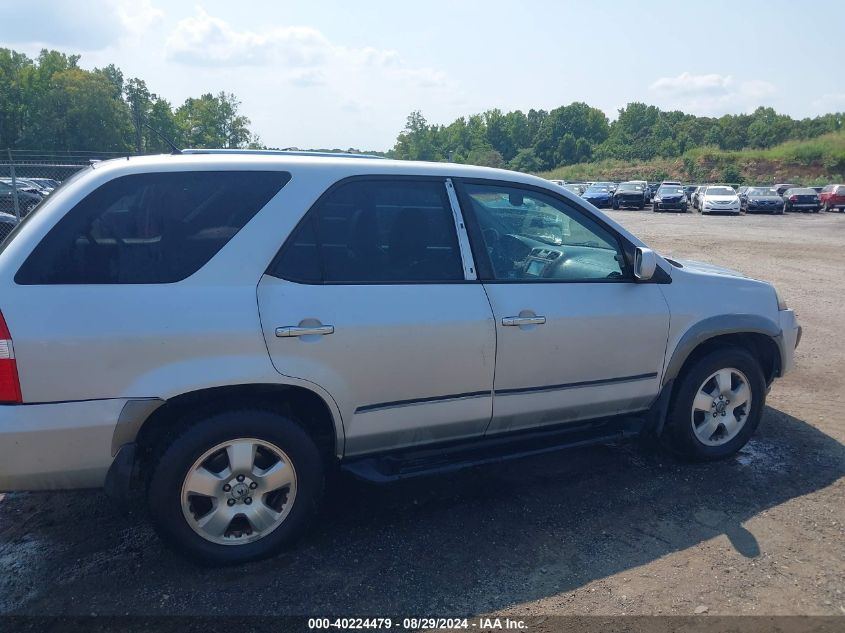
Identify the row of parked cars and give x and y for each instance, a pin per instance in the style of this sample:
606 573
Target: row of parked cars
709 198
28 191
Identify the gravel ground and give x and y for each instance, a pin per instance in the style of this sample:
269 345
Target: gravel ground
606 530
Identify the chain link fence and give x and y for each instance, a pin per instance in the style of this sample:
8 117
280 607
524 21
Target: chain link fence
25 183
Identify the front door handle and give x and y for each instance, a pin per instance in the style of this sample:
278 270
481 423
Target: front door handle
296 330
518 320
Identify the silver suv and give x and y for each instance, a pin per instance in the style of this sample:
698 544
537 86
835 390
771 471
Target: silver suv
218 331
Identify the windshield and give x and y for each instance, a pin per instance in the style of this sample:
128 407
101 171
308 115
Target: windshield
597 189
720 191
670 191
630 187
762 191
803 191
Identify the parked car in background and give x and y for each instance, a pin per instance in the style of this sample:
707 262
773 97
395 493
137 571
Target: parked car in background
801 199
47 184
761 200
696 196
833 197
670 198
720 199
27 200
598 194
782 187
629 194
7 223
197 333
559 183
24 185
646 189
574 187
689 190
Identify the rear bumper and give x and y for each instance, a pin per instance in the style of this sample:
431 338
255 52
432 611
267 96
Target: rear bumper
57 445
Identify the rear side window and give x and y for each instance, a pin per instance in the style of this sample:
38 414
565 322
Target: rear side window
375 231
149 228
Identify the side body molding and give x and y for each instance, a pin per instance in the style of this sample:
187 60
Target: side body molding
717 326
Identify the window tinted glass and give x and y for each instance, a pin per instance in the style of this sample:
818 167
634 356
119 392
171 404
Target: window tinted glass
533 236
149 228
376 231
670 191
720 191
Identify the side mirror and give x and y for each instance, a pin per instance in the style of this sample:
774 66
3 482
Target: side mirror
645 263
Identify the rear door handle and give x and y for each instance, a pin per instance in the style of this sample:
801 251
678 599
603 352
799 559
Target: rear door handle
517 320
295 330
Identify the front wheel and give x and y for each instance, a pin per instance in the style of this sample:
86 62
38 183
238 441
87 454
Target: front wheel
235 486
717 405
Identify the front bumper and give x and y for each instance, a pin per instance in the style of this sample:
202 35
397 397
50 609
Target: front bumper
709 208
57 445
671 205
759 206
790 337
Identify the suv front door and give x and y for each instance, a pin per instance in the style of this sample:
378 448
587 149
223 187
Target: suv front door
577 337
373 299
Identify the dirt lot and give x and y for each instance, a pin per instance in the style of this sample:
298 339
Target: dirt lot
608 530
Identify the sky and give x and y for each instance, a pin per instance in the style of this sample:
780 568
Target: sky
340 74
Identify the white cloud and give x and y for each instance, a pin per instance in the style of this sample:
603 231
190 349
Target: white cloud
203 39
138 16
710 94
97 25
830 102
303 55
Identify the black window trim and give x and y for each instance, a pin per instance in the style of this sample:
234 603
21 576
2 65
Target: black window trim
311 213
482 260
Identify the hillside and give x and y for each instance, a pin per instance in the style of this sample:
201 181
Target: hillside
812 162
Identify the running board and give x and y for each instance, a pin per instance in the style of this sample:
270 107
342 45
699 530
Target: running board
445 458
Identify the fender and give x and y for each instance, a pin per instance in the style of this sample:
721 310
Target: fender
719 325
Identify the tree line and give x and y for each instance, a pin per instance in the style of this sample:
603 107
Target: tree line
51 104
576 133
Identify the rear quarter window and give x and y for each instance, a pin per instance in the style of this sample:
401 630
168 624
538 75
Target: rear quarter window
149 228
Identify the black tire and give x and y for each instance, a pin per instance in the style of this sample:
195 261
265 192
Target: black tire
679 434
642 206
175 459
614 205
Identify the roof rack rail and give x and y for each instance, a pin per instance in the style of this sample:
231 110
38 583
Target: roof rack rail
276 152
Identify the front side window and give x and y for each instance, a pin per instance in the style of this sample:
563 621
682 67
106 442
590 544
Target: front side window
149 228
532 236
375 231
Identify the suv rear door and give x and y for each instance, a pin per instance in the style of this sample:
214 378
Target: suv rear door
577 337
373 298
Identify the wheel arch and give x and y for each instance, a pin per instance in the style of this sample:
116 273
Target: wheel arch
762 337
317 415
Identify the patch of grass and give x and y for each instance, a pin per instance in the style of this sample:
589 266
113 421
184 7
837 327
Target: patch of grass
818 161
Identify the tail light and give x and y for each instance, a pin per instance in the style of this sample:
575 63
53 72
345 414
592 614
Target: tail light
793 198
10 386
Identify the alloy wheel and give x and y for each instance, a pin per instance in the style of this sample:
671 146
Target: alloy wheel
239 491
721 407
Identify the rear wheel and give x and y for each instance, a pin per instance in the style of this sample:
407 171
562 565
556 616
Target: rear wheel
717 405
235 486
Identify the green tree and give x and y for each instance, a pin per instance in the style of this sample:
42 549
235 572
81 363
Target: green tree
213 121
78 111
